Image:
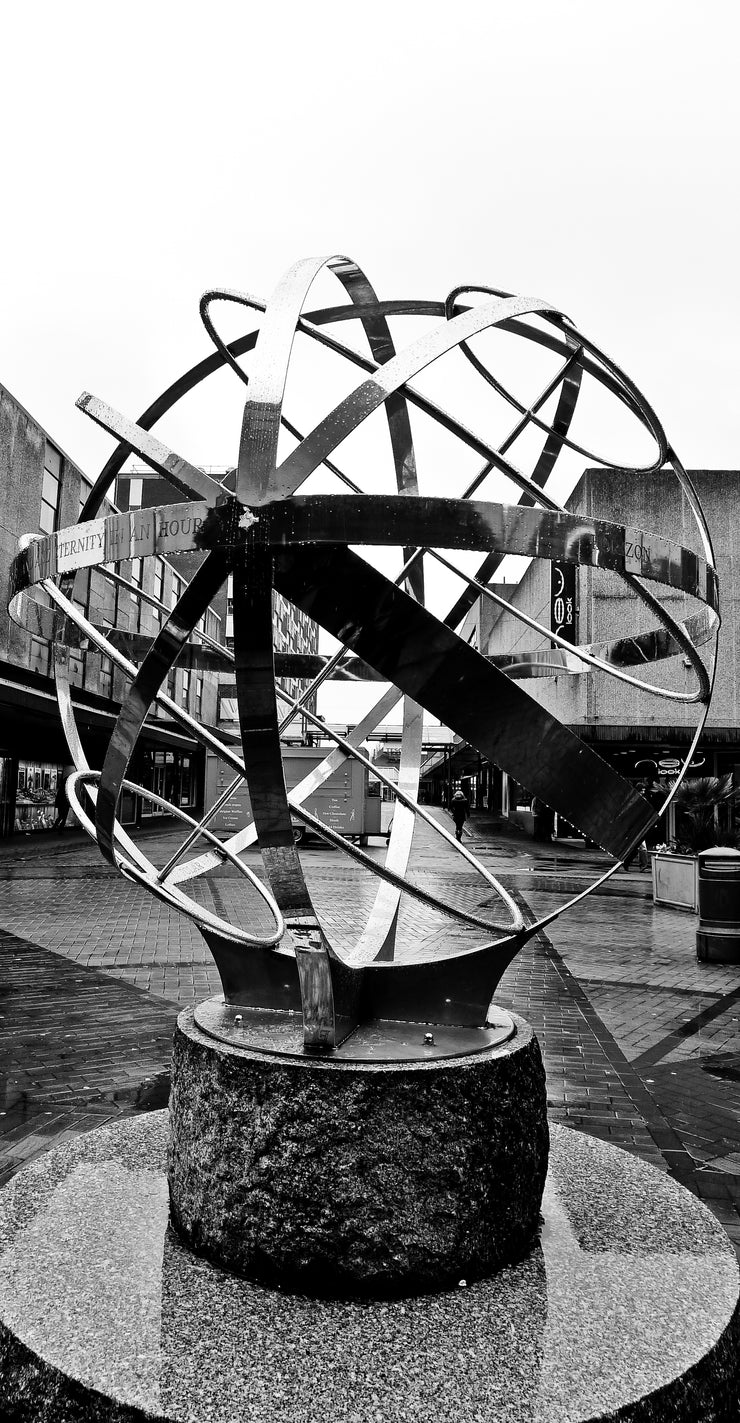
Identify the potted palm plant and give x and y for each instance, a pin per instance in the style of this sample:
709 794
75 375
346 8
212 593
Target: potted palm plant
675 865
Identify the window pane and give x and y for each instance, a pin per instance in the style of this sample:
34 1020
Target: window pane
50 489
53 460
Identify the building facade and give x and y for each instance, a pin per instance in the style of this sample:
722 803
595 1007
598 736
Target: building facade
41 490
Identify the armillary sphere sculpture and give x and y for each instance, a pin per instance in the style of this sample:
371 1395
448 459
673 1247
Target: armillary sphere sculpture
258 526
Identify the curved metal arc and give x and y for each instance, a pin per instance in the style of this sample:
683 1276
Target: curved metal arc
371 366
144 872
462 916
676 630
74 743
130 670
569 379
389 378
638 651
158 662
242 839
630 396
580 652
201 825
252 633
346 747
257 460
183 476
335 587
263 407
689 489
311 325
263 410
562 909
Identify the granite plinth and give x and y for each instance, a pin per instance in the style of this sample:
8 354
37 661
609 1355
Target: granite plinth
626 1309
354 1178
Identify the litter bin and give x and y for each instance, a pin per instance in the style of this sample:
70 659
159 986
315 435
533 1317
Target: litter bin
718 933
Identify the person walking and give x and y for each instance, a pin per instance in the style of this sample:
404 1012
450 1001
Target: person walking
459 808
61 805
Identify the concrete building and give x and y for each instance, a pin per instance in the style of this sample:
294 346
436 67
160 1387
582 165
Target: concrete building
41 490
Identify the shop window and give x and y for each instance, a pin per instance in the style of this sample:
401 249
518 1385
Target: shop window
35 795
40 656
154 779
105 679
187 784
77 662
158 589
137 578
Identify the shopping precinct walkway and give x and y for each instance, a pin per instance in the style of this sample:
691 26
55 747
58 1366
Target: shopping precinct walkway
641 1042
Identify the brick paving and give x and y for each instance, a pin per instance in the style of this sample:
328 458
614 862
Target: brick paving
641 1042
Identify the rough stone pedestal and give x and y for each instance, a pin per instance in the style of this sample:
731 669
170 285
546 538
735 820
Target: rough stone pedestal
357 1178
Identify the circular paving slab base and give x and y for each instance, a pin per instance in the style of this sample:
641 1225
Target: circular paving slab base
626 1309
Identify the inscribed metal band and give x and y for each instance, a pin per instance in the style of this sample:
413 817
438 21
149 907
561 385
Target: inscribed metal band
385 519
378 519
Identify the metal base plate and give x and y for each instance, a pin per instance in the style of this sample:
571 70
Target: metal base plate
378 1040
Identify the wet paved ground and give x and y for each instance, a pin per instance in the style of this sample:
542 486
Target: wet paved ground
641 1042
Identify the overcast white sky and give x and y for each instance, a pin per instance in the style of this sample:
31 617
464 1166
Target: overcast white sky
582 152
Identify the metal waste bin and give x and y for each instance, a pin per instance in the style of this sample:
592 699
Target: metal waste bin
718 934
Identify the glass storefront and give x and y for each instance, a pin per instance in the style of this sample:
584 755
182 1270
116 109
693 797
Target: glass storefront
35 796
168 774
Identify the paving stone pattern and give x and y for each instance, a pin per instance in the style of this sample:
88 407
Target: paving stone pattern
641 1042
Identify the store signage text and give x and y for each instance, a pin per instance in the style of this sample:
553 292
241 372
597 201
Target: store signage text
563 619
